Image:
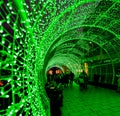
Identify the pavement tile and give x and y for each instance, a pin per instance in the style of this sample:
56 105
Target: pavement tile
92 102
115 109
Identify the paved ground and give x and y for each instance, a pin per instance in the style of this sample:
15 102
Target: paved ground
92 102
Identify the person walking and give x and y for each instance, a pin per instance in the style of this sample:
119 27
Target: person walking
71 78
81 82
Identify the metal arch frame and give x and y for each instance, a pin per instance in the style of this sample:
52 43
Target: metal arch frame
64 63
55 65
106 52
53 23
93 26
81 25
24 17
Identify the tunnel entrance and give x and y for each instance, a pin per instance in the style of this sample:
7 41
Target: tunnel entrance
52 72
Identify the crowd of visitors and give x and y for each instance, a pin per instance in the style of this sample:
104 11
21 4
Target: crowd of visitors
57 82
65 79
54 89
82 80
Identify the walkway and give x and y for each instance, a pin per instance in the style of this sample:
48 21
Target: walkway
92 102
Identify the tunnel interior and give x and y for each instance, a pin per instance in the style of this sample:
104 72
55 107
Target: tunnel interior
36 35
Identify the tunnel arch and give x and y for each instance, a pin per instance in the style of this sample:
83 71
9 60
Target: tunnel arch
103 28
55 65
78 62
97 26
66 60
94 42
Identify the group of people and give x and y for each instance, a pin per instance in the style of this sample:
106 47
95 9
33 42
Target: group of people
65 79
56 83
83 80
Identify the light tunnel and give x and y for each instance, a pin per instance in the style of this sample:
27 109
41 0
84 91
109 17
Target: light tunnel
36 35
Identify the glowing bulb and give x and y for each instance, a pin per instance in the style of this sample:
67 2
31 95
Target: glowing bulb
9 46
7 96
10 8
9 80
9 51
8 106
14 62
16 110
1 31
21 105
23 100
15 56
8 21
7 65
3 42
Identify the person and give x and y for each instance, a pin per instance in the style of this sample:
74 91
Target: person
85 77
71 79
66 79
57 78
81 82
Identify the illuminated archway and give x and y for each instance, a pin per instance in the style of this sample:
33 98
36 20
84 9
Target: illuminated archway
31 31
